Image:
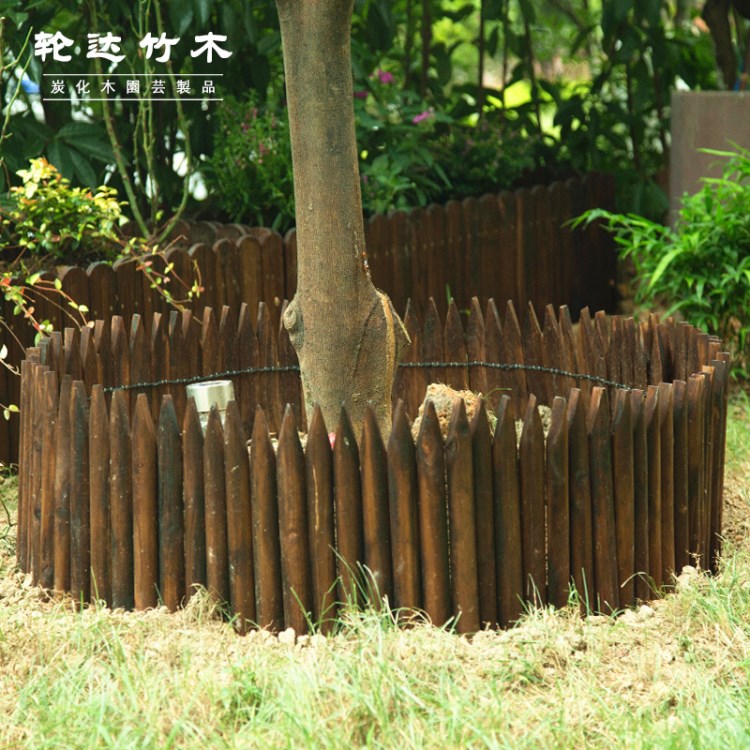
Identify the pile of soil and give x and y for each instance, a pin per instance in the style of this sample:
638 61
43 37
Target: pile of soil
443 397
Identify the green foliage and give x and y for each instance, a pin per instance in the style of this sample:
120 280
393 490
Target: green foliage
701 268
73 135
619 119
411 154
47 216
46 221
596 80
489 157
400 163
250 169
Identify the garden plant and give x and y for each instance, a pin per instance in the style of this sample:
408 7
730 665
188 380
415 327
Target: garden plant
567 86
700 268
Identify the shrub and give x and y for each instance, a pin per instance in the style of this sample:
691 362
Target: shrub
701 268
488 157
45 219
45 216
401 163
251 166
410 155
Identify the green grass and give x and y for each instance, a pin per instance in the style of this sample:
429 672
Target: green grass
738 431
675 675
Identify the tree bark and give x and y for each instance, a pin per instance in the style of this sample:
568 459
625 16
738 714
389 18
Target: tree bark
346 333
716 15
426 31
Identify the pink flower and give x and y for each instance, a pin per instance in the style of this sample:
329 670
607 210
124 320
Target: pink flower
332 438
385 77
422 116
360 94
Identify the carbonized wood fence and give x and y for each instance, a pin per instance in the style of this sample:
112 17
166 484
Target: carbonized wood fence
507 246
124 498
511 245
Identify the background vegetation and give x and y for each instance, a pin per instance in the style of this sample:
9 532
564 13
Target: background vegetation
505 89
452 97
700 268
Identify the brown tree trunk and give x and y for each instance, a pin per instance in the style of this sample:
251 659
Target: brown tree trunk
426 44
346 333
716 15
480 50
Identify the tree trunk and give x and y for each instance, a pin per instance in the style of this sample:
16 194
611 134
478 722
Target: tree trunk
426 44
716 15
346 333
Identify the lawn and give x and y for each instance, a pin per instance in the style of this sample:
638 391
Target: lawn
673 674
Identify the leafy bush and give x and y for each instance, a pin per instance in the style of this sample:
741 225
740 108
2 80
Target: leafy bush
46 219
45 216
397 133
250 170
411 154
701 268
488 157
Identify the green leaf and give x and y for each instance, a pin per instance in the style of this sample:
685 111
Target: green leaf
269 43
662 267
89 139
58 155
552 89
458 15
181 15
649 10
493 9
77 129
623 7
83 169
202 11
493 41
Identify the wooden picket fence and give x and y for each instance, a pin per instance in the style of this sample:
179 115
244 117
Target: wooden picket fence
511 245
507 246
123 498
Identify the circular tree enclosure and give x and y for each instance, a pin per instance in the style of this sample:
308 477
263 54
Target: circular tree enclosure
124 498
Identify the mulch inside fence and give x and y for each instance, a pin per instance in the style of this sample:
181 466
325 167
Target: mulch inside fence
124 498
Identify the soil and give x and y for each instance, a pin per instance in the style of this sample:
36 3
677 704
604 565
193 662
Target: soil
736 518
443 397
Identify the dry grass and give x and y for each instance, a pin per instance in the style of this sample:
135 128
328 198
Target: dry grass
673 675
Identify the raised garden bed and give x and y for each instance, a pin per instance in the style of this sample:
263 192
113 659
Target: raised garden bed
122 497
